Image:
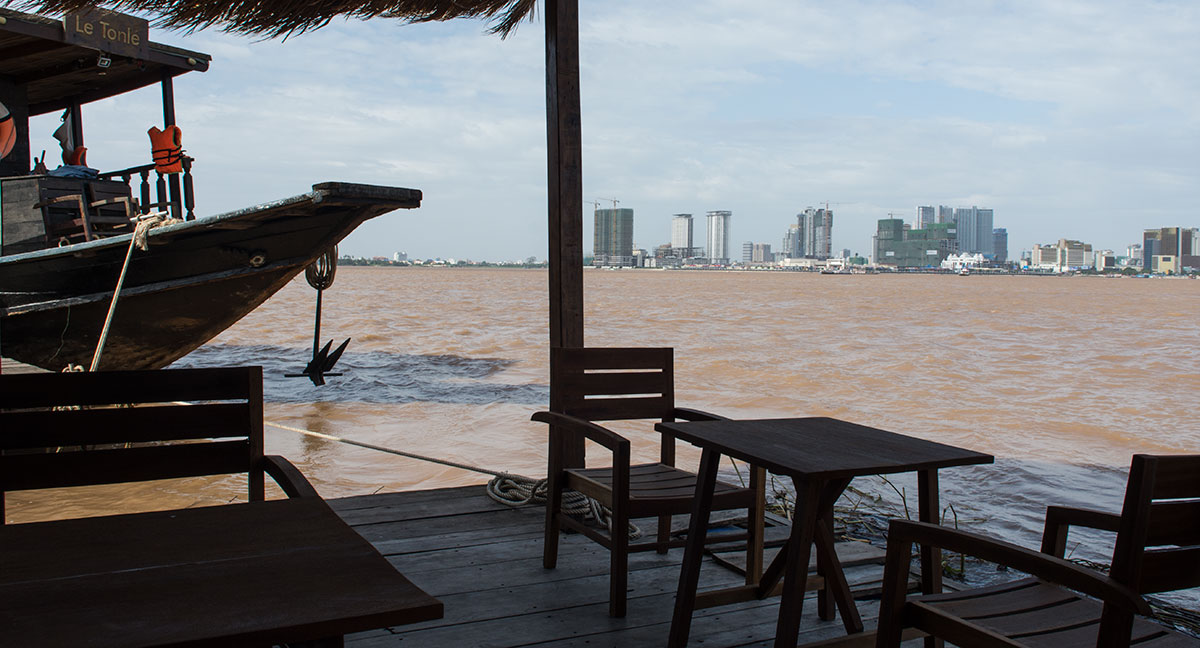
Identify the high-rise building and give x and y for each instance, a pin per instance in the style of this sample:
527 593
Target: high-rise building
747 252
974 230
903 247
1134 254
1180 243
815 229
945 214
791 243
925 217
1000 244
761 253
717 249
1151 240
1067 255
681 235
613 241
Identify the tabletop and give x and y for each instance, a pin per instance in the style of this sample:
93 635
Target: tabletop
275 571
820 447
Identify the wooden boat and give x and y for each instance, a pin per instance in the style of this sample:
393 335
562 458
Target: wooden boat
64 240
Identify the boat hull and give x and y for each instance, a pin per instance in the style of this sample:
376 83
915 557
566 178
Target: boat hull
197 279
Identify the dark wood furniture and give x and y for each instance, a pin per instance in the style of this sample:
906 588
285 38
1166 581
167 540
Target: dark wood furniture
255 573
1157 549
75 209
821 455
608 384
75 429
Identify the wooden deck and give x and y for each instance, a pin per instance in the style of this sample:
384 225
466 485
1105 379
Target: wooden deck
483 560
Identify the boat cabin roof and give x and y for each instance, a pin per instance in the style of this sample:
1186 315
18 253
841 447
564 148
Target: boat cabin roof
35 52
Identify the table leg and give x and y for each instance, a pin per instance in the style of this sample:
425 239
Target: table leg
795 576
931 557
836 590
693 552
827 565
835 580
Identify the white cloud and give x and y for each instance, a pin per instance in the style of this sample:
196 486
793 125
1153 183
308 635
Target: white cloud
1062 116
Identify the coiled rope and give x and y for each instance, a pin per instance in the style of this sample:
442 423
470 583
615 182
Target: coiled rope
505 488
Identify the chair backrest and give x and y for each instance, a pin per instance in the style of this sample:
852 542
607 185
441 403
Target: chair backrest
115 209
76 429
1158 543
610 384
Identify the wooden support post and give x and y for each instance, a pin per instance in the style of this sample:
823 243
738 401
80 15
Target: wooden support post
168 99
76 112
564 189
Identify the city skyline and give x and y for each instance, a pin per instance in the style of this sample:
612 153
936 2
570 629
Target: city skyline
1072 119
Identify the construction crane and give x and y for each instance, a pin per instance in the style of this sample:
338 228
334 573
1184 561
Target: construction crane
594 203
614 201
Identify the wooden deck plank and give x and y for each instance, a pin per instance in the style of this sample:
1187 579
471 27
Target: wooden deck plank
402 499
509 522
483 560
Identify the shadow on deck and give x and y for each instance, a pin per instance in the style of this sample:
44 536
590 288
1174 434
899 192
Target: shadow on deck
484 561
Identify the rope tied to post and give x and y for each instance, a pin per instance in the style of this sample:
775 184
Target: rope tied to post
505 488
140 240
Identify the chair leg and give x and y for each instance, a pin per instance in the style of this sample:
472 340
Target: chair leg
554 495
891 602
664 534
754 527
618 576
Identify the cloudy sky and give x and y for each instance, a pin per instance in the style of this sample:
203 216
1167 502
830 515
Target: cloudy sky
1075 119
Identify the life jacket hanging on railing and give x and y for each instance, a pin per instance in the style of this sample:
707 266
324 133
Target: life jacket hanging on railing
167 148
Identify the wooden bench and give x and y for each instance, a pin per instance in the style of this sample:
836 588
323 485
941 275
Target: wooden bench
262 572
136 426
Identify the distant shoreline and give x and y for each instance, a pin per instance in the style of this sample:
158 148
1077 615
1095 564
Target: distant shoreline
976 273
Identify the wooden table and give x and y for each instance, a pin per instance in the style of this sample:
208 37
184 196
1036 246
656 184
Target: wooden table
260 573
821 455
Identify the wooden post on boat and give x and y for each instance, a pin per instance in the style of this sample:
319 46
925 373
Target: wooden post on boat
76 111
168 98
564 188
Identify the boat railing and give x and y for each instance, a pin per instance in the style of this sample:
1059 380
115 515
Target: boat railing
168 195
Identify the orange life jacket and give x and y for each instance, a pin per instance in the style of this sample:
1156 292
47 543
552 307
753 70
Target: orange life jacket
78 157
8 132
167 148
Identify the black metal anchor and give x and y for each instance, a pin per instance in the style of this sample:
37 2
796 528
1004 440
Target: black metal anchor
319 275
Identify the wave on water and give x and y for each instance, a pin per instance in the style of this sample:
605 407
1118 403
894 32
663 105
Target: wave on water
374 376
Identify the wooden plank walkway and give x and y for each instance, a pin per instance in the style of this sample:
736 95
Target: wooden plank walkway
483 560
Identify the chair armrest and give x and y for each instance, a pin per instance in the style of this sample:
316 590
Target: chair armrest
1059 519
291 480
1046 567
587 429
58 199
689 414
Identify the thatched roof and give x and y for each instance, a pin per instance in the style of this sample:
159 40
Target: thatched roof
274 18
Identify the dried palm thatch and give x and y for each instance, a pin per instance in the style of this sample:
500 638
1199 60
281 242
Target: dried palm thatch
275 18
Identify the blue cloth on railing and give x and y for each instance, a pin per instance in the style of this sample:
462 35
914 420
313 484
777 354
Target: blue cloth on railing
74 171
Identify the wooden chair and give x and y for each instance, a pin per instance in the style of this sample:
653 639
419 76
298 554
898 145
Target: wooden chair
87 210
112 207
609 384
1157 549
105 441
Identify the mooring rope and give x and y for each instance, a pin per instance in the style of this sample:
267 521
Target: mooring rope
138 240
505 488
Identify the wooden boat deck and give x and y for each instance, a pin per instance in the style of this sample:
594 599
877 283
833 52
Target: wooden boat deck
483 560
